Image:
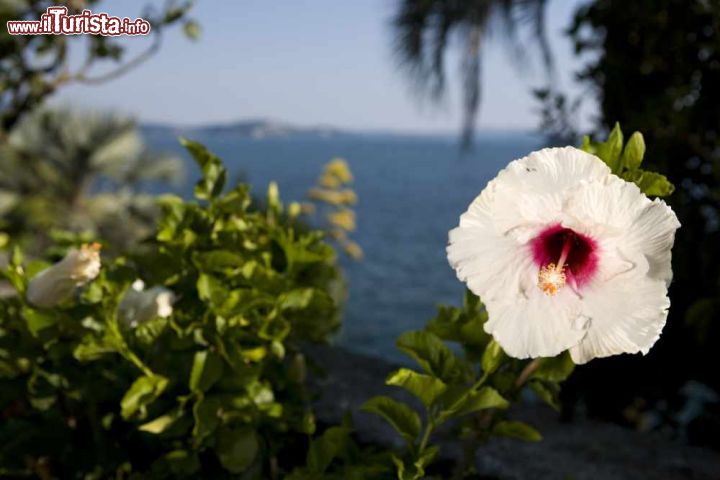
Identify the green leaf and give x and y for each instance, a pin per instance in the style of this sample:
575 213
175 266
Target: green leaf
206 412
141 393
402 418
472 332
460 400
471 302
91 348
295 299
610 151
425 387
403 472
519 430
587 145
37 321
486 397
327 447
183 463
547 391
650 183
206 369
555 369
634 152
237 448
492 357
432 355
214 173
211 290
161 423
217 261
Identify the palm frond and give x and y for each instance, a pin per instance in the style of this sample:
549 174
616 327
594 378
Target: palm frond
425 30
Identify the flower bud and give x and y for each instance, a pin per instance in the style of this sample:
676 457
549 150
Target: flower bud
139 305
57 283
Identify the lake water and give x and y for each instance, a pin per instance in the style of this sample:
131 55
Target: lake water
411 192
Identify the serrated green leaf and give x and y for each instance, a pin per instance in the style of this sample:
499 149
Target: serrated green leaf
634 152
426 387
519 430
401 417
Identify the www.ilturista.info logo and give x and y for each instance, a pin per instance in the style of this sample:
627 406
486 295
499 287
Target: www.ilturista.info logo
56 21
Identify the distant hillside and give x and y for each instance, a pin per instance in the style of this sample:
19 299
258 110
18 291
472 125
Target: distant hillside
248 129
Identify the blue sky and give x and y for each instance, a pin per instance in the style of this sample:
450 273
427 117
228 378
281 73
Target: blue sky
311 62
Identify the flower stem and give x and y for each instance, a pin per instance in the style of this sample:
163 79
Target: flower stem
527 371
426 436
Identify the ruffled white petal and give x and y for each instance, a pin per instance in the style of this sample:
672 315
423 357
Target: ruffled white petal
536 325
623 308
626 314
616 211
531 191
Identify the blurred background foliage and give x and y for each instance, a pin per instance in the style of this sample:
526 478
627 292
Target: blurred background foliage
80 171
32 68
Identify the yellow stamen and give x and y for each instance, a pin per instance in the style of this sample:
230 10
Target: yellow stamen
551 277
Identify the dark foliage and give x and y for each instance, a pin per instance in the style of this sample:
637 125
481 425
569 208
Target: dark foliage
656 68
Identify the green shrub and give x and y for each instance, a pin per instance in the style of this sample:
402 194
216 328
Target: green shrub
89 391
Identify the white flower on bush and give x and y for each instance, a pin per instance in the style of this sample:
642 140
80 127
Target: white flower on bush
57 283
566 255
139 305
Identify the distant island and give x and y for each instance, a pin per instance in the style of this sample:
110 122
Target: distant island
257 129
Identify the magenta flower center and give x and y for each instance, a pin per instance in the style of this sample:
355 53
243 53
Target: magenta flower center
561 255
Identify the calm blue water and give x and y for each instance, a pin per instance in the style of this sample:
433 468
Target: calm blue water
411 192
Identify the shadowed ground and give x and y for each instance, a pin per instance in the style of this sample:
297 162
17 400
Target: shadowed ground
583 450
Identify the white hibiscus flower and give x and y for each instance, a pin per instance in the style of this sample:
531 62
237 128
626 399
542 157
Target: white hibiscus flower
57 283
566 255
139 305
